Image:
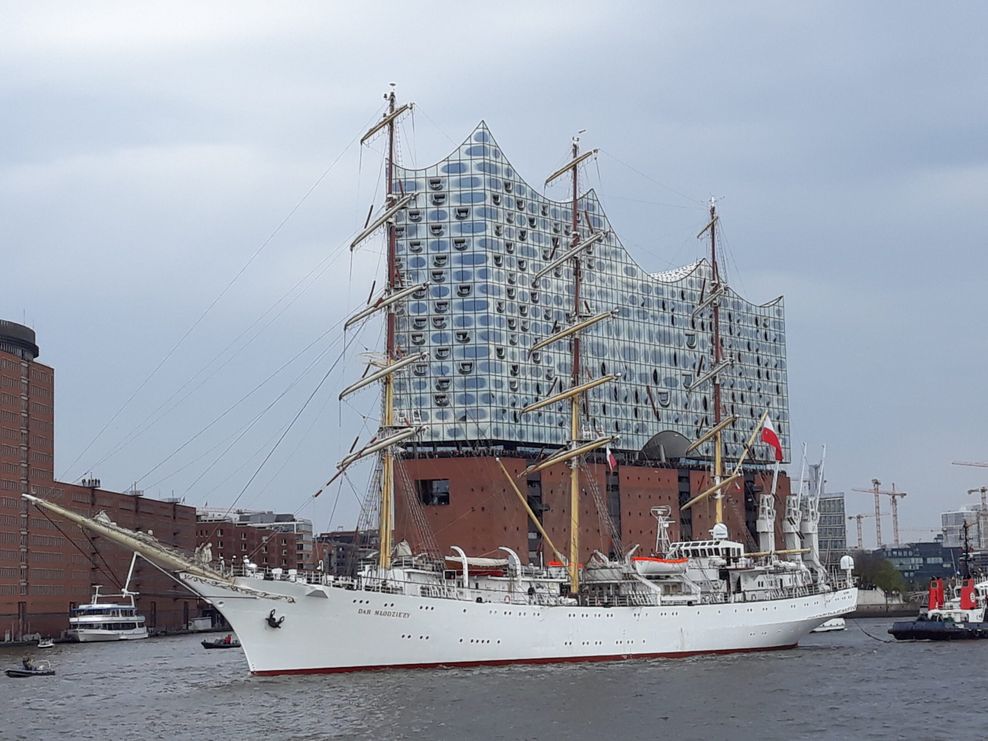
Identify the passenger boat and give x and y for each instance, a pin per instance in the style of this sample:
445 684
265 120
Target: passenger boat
106 621
45 643
405 610
962 617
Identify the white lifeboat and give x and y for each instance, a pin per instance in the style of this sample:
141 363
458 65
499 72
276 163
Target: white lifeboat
650 565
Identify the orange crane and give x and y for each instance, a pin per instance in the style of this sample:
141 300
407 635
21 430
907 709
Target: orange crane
895 496
859 518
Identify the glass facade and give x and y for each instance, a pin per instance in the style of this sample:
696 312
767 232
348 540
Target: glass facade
477 233
832 529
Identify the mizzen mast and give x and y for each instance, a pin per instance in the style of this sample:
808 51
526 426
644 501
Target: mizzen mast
717 365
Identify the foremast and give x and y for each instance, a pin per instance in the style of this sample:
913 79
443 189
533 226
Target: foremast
386 518
390 433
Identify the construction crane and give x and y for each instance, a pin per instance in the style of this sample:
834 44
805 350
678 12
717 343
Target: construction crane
894 495
860 518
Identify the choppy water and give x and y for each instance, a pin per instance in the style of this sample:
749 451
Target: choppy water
835 686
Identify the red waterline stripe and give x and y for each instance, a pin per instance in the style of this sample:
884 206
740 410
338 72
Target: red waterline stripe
503 662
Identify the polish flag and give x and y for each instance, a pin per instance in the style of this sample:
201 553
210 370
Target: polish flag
771 437
611 460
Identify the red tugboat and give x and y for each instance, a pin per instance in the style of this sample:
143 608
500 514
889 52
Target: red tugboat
960 618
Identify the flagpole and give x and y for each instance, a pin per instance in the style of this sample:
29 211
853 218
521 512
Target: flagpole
775 477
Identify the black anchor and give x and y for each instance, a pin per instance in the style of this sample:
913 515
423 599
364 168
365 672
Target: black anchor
275 622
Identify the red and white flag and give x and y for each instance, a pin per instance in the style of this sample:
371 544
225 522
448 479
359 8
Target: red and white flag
611 460
771 437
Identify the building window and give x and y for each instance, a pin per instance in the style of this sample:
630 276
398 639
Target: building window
433 491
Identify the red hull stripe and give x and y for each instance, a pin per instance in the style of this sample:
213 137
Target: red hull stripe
502 662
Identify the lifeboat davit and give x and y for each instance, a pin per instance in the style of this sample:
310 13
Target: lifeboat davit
650 565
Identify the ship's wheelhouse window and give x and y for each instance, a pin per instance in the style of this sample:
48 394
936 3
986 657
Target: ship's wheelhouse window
433 491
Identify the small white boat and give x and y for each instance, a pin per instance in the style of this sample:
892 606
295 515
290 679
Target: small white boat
830 626
45 643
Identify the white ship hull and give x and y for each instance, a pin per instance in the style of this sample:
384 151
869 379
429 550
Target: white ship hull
327 629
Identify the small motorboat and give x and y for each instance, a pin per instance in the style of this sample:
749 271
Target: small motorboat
45 643
228 641
31 668
830 626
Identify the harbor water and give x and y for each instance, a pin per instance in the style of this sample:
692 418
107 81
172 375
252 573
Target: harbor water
843 685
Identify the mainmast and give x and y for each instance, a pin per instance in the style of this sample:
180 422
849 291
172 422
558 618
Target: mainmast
574 428
577 447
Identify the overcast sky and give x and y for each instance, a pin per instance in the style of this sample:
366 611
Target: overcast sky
184 176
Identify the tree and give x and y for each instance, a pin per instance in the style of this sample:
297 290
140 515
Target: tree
873 570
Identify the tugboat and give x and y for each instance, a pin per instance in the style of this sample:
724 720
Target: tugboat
960 618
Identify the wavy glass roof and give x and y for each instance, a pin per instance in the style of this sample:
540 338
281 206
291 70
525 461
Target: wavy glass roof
477 233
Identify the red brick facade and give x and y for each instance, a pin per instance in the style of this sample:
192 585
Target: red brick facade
233 542
46 566
483 512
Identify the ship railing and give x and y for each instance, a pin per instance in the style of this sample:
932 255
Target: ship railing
641 599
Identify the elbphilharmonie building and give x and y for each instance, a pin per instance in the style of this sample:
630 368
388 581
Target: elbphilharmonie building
474 239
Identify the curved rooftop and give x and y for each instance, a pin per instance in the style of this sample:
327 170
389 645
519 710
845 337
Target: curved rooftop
18 340
477 234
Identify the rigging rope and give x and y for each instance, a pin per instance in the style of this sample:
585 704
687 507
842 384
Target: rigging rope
427 541
603 514
873 637
108 572
280 439
216 300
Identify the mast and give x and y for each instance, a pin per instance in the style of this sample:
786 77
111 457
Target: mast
574 471
577 447
718 358
385 520
389 434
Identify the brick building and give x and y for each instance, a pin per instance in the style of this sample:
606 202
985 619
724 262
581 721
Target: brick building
48 567
231 542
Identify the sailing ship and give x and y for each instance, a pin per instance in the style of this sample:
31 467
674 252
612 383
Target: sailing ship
404 610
